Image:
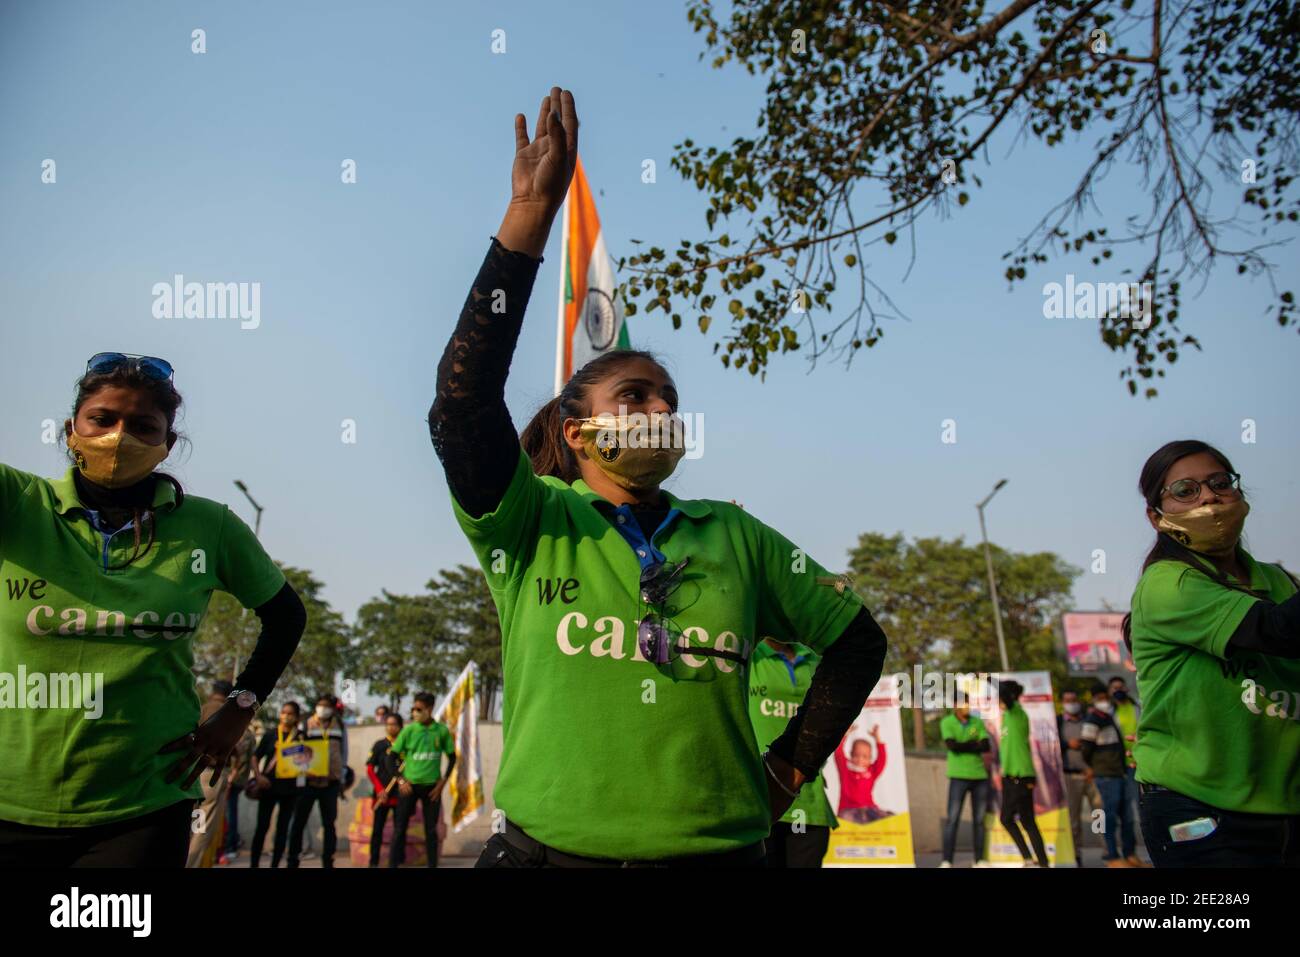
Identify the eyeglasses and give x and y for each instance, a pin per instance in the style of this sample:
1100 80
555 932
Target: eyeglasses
1189 489
661 641
152 366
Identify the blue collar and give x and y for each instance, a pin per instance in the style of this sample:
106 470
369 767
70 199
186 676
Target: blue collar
624 520
791 665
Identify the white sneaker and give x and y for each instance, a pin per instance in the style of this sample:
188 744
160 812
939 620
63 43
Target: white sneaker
981 864
946 864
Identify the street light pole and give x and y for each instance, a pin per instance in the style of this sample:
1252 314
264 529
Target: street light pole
993 585
257 525
257 533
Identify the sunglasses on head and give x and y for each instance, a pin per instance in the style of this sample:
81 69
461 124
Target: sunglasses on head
151 366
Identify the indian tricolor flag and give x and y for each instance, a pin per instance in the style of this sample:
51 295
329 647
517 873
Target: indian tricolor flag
591 313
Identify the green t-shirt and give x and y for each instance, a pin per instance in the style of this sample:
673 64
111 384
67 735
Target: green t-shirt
78 751
964 766
1013 748
1223 730
776 690
604 755
422 749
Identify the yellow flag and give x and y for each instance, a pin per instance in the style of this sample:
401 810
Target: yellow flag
459 712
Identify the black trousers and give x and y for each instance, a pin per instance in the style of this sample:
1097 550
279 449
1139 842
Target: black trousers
1018 802
328 798
788 848
377 833
402 816
268 804
158 839
1237 840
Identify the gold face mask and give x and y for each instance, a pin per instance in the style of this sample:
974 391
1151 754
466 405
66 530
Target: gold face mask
637 451
114 460
1209 529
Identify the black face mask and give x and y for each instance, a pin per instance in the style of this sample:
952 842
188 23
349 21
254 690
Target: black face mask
1120 696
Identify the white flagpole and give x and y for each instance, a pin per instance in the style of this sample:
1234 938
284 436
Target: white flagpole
559 321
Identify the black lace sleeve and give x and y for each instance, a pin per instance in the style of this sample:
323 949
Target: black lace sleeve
843 680
469 423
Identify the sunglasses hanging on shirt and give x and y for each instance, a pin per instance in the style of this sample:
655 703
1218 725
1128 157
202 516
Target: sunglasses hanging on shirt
661 641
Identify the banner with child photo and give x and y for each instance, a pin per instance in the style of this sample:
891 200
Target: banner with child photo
866 783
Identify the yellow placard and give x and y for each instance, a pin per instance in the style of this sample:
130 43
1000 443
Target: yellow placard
293 758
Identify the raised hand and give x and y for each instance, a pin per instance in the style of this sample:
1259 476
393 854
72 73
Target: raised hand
543 168
541 173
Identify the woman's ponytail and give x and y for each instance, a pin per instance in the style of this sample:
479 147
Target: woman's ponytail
543 442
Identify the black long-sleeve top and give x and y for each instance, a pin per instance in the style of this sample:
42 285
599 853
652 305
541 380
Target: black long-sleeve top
283 619
1270 628
476 442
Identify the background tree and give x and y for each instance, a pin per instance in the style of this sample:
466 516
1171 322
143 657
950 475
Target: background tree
931 597
325 652
403 646
474 631
879 112
409 643
228 634
1033 591
226 637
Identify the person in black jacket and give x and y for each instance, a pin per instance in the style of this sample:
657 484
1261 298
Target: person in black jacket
1102 747
381 767
275 792
1078 781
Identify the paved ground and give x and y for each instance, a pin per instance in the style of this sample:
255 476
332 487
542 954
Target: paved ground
341 860
1091 858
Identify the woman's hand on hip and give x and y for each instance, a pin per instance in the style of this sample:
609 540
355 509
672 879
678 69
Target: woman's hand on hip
208 746
789 776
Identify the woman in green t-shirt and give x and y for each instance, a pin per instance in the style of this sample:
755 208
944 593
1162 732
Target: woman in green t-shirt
108 572
1215 636
627 615
1018 778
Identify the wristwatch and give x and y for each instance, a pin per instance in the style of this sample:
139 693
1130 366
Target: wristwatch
245 699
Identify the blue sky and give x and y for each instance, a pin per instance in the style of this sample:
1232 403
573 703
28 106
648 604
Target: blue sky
225 167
